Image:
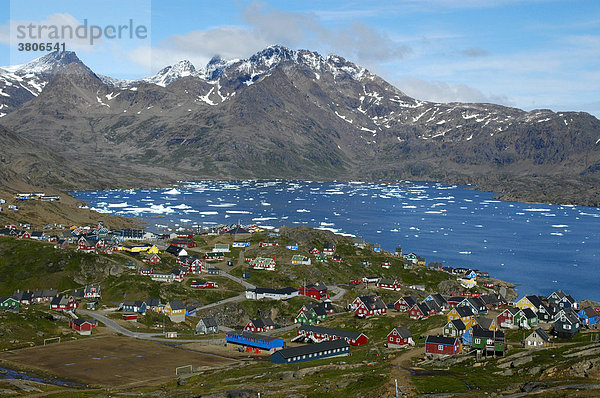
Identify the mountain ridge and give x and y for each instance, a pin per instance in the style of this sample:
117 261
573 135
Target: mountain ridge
285 113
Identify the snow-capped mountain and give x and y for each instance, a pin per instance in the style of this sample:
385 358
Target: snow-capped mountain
21 83
294 113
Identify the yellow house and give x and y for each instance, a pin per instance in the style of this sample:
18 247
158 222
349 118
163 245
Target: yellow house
463 313
135 248
174 308
487 323
153 250
525 303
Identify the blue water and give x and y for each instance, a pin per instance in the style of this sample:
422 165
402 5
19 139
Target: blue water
539 247
15 374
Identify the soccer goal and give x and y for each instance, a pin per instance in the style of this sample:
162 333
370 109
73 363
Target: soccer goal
184 370
52 340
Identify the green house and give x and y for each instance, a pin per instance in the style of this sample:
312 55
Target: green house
9 303
321 257
526 319
488 340
310 317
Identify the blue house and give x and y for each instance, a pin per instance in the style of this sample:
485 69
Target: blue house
292 246
134 306
588 316
255 340
377 249
467 337
190 310
326 349
241 244
274 234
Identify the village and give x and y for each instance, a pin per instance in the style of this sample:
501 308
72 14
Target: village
292 295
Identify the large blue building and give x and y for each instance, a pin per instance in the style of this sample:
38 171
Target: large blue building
309 352
254 340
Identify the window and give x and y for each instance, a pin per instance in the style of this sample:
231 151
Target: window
567 327
440 347
478 341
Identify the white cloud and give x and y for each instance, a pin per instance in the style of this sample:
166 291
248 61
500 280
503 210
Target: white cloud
266 26
438 91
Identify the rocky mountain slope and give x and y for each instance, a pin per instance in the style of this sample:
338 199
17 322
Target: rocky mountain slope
295 114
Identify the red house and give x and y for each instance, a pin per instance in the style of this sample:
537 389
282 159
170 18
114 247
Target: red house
268 244
63 303
203 285
337 259
317 291
386 264
260 325
155 259
389 284
506 319
145 271
25 235
367 306
419 311
183 243
400 337
314 250
83 326
440 345
320 333
405 303
130 317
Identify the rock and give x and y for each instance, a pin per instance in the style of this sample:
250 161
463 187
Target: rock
181 381
246 393
531 387
535 370
507 372
521 361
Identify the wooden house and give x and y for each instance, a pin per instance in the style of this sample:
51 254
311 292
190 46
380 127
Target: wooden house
588 316
454 328
419 311
317 291
207 326
389 284
405 303
263 263
299 259
463 313
439 345
154 259
509 318
489 341
367 306
134 306
439 300
537 339
82 326
319 333
487 323
400 337
325 349
259 325
567 324
63 303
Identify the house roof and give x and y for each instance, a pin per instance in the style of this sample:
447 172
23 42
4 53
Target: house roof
542 334
440 340
209 322
464 311
284 291
439 299
312 348
330 332
485 323
529 314
81 321
153 302
403 332
458 324
372 302
488 334
177 305
262 323
410 300
535 300
589 312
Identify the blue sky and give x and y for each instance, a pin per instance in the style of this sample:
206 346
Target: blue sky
528 54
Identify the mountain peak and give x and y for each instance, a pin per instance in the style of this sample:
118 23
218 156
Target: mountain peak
171 73
48 63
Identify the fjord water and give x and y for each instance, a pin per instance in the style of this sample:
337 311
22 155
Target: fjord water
540 247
